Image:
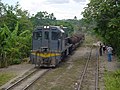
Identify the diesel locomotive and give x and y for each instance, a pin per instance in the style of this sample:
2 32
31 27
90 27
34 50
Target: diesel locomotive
50 44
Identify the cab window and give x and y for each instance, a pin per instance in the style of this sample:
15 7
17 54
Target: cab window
46 36
55 35
37 35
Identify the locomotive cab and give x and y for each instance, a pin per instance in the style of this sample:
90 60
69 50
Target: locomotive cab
48 46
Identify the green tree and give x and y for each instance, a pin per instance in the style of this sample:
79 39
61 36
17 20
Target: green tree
10 15
43 18
13 45
106 15
67 24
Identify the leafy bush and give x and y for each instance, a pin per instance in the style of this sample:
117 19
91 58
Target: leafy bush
16 61
112 80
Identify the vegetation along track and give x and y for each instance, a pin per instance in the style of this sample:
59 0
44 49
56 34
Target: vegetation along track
26 81
89 78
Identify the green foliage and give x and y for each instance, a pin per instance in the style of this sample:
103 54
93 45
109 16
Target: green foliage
112 80
15 33
14 44
16 61
106 16
10 15
66 24
43 18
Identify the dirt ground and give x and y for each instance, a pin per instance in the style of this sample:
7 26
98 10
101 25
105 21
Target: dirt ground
17 69
20 69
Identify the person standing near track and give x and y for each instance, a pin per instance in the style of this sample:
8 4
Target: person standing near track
109 53
100 49
104 48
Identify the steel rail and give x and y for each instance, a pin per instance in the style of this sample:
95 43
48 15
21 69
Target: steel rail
84 71
97 72
20 80
30 84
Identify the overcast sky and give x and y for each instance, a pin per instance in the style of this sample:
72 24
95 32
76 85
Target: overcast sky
62 9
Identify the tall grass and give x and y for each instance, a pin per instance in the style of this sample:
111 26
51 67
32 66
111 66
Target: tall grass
112 80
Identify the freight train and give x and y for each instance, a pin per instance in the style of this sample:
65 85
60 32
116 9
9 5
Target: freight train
50 44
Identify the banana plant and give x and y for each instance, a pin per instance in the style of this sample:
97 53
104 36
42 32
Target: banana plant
14 44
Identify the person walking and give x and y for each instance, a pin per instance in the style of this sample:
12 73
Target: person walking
109 53
100 49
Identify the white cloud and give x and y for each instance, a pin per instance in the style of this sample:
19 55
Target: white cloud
79 0
57 1
62 9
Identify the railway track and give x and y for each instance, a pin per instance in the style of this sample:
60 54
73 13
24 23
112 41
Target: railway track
89 79
25 82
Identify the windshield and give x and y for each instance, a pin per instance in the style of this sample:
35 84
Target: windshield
37 35
46 36
55 35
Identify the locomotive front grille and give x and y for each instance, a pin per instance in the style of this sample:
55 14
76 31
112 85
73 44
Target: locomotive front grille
46 60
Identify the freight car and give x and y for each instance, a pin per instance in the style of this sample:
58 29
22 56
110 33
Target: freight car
50 44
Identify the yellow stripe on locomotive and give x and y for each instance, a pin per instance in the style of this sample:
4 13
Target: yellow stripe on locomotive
46 54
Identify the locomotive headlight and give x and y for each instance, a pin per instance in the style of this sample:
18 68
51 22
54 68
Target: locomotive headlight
48 27
45 26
